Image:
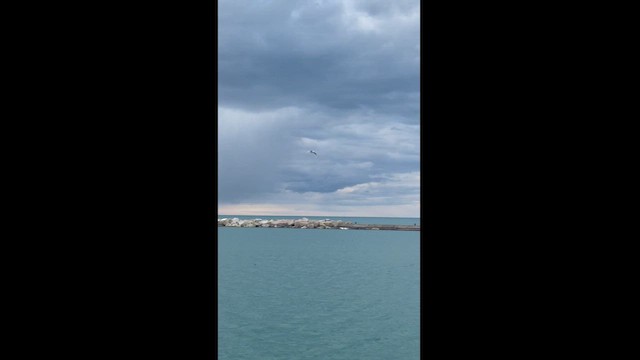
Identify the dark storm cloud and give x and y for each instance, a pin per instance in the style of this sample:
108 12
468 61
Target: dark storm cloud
339 54
339 77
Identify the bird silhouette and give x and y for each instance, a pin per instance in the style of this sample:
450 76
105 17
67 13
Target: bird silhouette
313 152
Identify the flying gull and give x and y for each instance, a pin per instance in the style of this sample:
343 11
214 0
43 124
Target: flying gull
313 152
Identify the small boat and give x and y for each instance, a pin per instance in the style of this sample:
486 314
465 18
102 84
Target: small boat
344 228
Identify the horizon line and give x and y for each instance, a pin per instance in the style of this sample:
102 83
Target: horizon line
325 216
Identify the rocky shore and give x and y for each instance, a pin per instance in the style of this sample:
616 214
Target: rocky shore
305 223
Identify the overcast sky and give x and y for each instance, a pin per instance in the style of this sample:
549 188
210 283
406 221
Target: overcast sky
339 77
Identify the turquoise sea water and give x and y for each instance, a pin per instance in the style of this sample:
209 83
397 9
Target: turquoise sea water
318 294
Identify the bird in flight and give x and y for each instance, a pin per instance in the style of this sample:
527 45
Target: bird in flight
313 152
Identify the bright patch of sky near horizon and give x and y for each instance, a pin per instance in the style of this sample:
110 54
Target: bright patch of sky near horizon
341 78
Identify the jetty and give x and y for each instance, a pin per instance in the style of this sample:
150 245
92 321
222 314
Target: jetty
304 223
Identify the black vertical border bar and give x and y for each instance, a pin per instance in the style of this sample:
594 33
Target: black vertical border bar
213 195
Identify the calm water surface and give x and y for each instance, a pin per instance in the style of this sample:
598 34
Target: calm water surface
318 294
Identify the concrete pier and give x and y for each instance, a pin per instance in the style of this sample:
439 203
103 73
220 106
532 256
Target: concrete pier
305 223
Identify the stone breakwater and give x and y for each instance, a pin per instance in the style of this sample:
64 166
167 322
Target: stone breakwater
305 223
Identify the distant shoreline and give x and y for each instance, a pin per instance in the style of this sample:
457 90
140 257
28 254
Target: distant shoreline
304 223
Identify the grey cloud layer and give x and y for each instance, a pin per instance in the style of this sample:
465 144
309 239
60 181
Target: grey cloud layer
339 77
339 54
